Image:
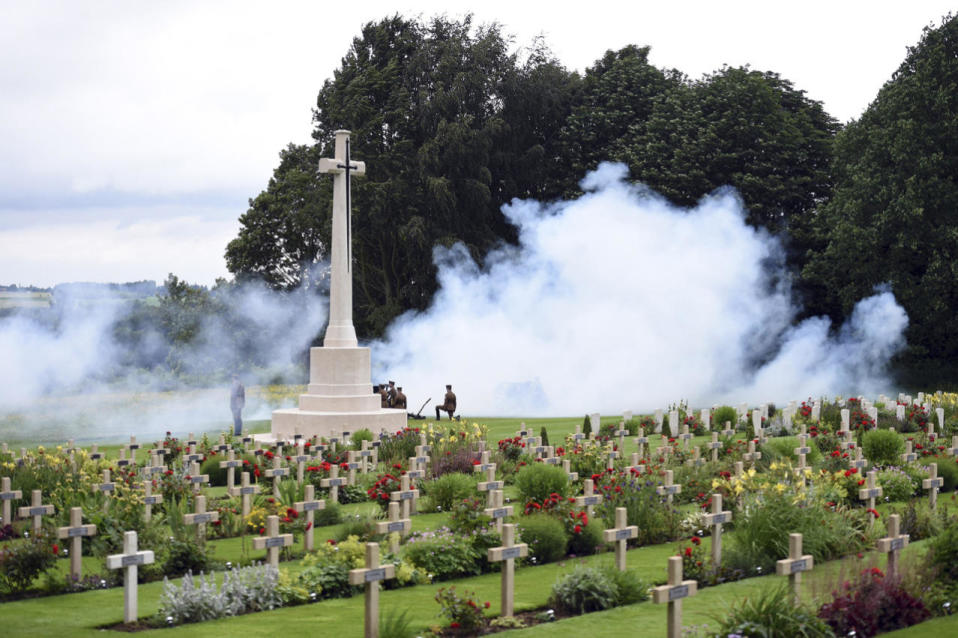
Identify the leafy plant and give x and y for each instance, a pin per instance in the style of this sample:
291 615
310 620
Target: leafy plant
589 588
538 481
198 598
447 490
773 612
545 535
21 561
464 612
444 555
872 605
883 447
396 624
896 484
722 414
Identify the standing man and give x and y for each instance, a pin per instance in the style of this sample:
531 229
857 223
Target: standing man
391 394
449 404
400 401
237 403
384 396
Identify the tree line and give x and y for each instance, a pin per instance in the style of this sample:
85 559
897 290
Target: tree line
453 124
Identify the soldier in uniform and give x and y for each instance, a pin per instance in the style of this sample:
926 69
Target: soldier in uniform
399 402
449 404
237 403
384 396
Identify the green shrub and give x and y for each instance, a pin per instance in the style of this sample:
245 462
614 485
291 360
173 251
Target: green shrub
722 414
328 579
942 555
784 448
772 612
586 425
444 555
243 590
448 490
919 522
872 605
883 447
329 515
896 484
361 527
948 470
765 520
179 556
584 590
23 560
629 586
587 541
544 435
396 624
536 482
360 435
545 536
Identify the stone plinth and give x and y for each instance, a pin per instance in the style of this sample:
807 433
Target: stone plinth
339 397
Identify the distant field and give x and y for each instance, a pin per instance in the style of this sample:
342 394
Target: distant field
25 299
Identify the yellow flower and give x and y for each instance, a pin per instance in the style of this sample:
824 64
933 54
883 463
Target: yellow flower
739 489
779 487
751 472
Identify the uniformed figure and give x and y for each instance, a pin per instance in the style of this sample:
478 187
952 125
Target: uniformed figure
399 402
391 394
237 403
449 404
384 396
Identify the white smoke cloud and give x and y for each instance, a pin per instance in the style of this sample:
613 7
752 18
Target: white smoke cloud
618 300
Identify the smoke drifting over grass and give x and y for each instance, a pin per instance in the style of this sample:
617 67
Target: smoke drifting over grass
618 300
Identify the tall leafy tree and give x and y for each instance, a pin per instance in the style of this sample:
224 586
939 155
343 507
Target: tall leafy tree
894 214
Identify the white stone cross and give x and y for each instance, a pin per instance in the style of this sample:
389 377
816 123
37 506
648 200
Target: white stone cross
578 435
122 461
149 499
405 495
953 450
496 510
490 484
133 447
273 540
94 454
368 457
36 509
567 468
191 456
589 499
728 430
507 553
75 531
106 486
414 472
231 463
401 526
622 432
686 436
333 483
244 491
715 445
196 479
909 456
848 443
352 464
795 564
673 593
738 471
340 333
200 518
310 505
669 489
933 483
859 461
422 457
370 577
277 473
870 492
129 560
751 456
715 521
642 442
7 496
696 459
620 535
893 544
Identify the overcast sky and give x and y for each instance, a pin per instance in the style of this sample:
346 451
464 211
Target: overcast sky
133 133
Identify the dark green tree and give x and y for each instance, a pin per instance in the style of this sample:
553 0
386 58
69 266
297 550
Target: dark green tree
894 214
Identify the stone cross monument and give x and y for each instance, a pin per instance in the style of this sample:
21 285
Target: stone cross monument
340 394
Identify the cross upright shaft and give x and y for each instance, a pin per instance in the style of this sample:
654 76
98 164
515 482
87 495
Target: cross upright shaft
340 333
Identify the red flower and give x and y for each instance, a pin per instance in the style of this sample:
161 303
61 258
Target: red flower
688 552
487 604
577 529
56 549
696 540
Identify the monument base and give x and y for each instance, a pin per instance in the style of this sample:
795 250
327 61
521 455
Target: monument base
339 398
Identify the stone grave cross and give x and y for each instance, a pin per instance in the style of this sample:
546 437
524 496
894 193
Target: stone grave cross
893 544
129 560
149 499
231 463
277 472
507 553
642 443
620 535
870 492
200 518
859 461
589 499
244 491
352 464
751 456
715 521
669 489
333 483
75 531
196 479
405 495
909 456
567 468
673 593
7 496
496 510
106 486
401 526
933 483
273 540
310 505
728 430
715 445
370 577
795 564
36 509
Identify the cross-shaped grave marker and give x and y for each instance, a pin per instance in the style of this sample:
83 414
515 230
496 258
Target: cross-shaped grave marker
352 464
621 432
893 544
196 479
673 593
669 489
795 564
405 495
696 459
273 540
200 518
94 454
549 458
738 470
231 463
909 456
129 560
277 472
7 496
370 577
728 430
620 535
567 468
497 511
490 483
244 491
333 483
715 521
685 436
401 526
848 442
36 509
75 531
589 498
414 472
715 445
642 443
859 462
870 492
751 456
369 457
933 483
310 505
106 486
507 553
149 499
